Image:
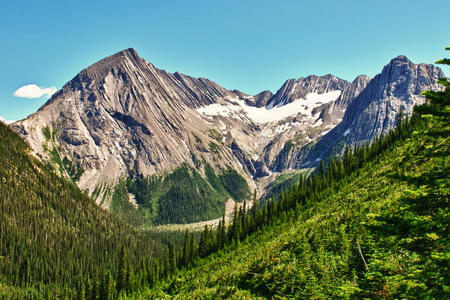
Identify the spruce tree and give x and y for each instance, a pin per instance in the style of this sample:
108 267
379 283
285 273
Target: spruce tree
172 259
440 98
185 255
122 272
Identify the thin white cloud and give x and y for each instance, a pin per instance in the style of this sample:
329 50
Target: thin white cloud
6 121
34 91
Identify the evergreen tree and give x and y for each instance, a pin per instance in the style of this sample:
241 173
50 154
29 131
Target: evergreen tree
172 258
122 272
192 248
185 254
440 98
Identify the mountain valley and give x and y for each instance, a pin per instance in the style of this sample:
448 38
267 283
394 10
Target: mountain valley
352 177
122 119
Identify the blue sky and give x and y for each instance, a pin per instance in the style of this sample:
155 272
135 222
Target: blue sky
245 45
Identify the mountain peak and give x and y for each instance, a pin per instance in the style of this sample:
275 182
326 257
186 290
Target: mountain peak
400 59
128 51
120 56
360 78
117 61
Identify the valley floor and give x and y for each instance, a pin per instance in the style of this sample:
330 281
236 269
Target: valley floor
197 226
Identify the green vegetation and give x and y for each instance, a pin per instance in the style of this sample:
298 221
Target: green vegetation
121 206
214 180
189 199
58 161
46 133
214 148
284 181
235 184
371 225
197 139
288 146
180 197
53 238
214 134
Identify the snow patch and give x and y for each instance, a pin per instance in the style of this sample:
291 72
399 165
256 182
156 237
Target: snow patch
346 132
317 123
222 125
267 114
187 148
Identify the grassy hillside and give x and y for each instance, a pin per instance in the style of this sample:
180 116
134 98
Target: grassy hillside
380 231
53 238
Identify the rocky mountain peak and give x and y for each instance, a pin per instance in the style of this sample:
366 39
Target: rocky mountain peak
261 99
117 61
294 89
361 78
401 59
374 111
122 114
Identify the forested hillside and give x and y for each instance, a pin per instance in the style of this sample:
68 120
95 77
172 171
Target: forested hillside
180 197
53 238
374 224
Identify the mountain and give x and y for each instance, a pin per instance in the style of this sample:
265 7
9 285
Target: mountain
122 114
374 111
122 119
298 89
282 153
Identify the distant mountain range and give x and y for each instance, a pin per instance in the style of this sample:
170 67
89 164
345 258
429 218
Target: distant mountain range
122 116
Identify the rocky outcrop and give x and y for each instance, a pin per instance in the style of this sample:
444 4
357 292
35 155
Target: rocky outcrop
374 111
335 110
298 89
260 100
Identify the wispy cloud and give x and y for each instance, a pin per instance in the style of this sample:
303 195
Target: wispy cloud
6 121
34 91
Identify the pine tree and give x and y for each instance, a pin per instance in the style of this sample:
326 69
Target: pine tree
255 203
440 99
203 246
122 273
186 254
192 248
221 241
235 226
172 259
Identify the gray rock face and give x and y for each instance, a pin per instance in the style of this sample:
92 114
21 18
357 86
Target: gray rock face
298 89
374 111
124 115
336 110
261 99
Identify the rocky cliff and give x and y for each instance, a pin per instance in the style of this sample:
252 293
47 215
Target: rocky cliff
374 111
